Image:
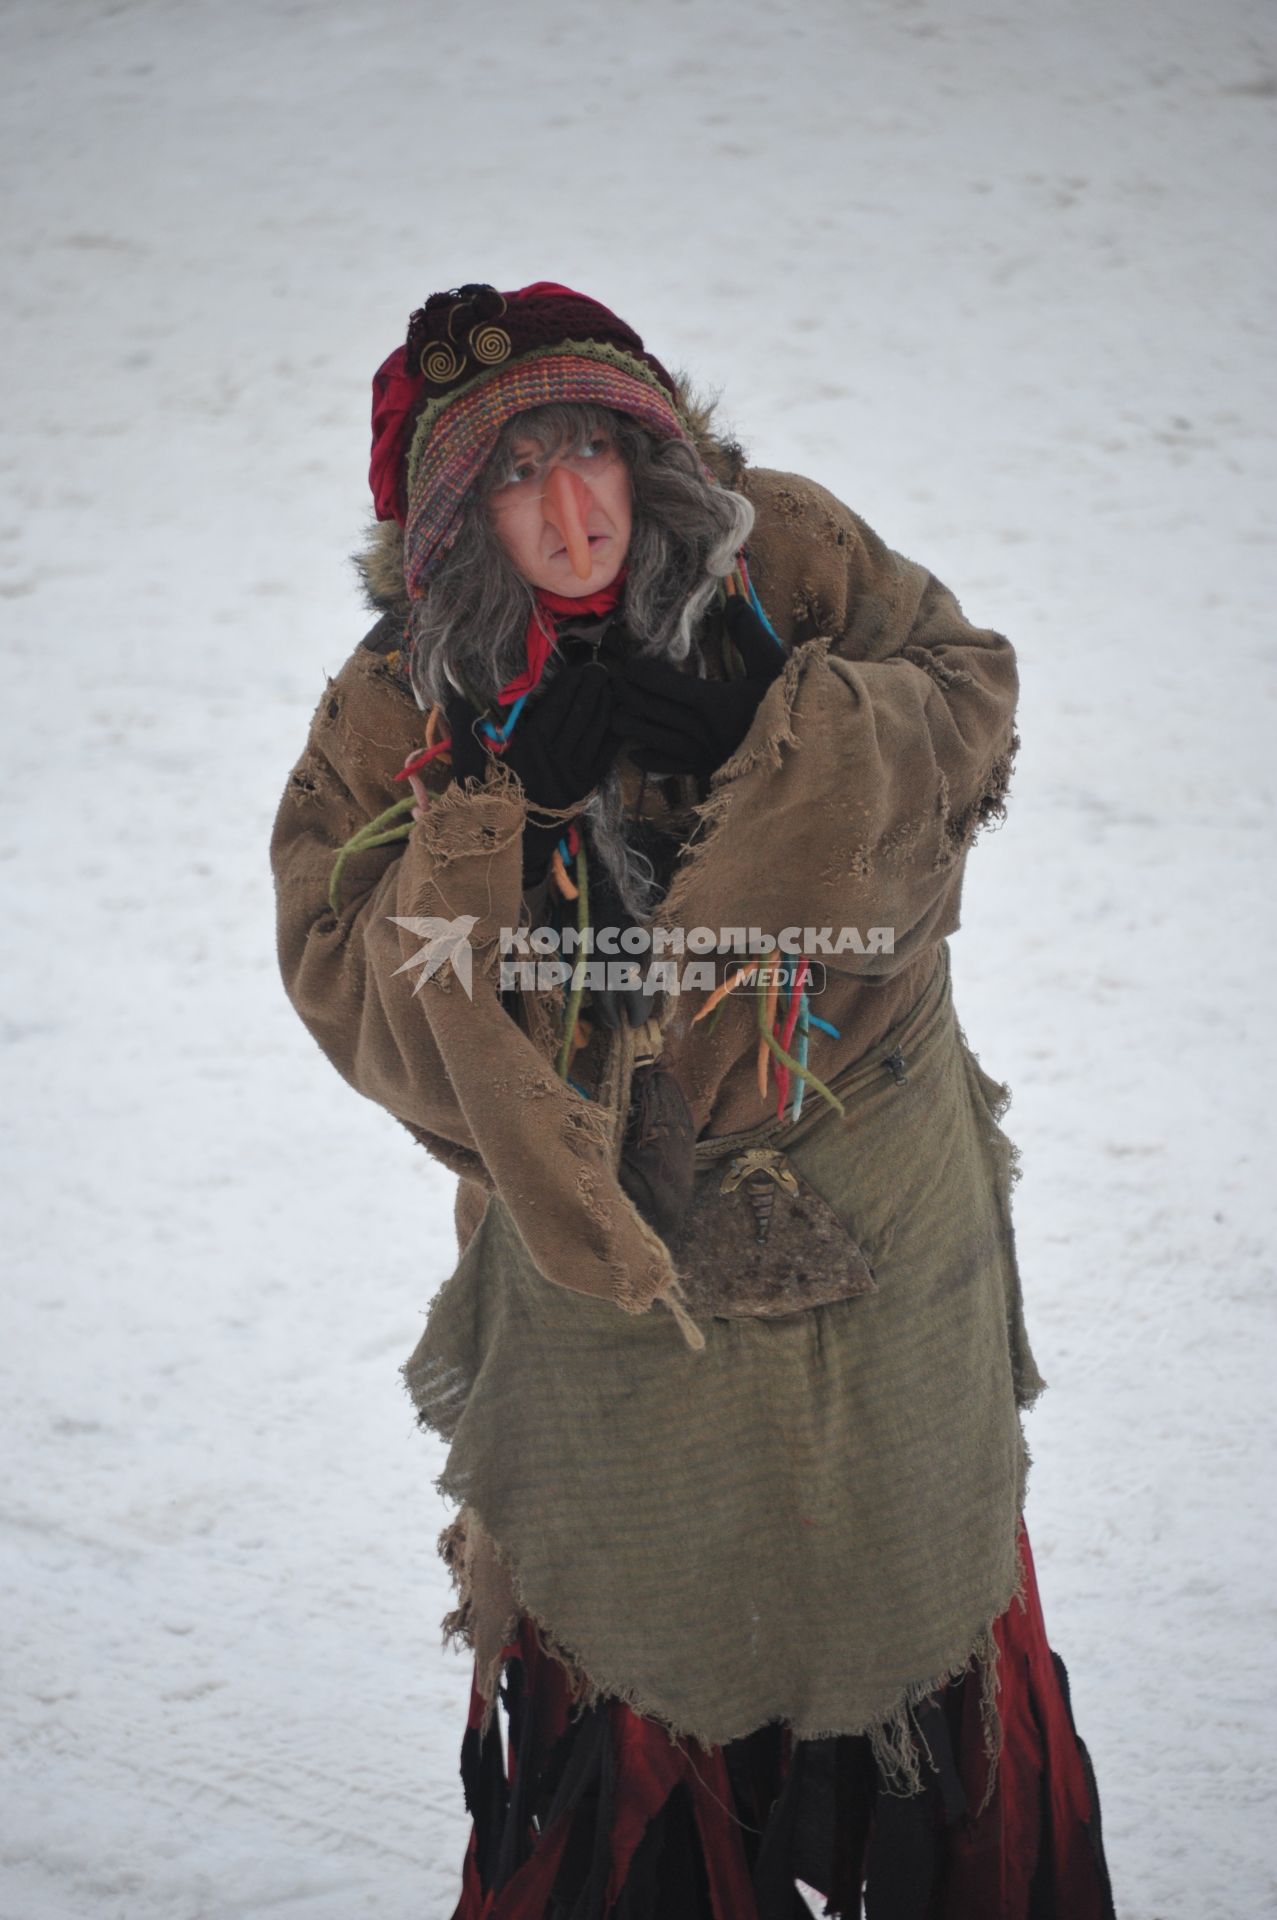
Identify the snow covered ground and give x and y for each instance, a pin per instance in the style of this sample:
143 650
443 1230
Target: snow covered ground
1001 276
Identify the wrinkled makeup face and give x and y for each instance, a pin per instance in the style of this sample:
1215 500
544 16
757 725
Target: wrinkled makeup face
564 518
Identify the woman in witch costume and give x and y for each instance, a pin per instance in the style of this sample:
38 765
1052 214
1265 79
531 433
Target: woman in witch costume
732 1364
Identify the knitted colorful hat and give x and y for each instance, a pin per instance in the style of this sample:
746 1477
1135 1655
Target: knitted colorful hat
473 359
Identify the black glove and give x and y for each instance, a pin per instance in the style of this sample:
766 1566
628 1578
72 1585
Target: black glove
562 746
676 723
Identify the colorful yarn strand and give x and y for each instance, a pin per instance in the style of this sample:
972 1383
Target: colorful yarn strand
793 1065
374 833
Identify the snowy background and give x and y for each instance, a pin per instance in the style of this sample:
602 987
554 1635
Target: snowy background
1001 276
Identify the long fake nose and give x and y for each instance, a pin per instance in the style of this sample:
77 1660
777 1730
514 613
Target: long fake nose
565 501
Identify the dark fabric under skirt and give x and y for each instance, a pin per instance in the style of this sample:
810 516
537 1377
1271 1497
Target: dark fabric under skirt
596 1815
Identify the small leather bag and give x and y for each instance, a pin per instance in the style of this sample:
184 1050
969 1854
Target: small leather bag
750 1237
758 1241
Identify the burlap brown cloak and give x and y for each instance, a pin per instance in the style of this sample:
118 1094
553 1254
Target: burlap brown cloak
810 1519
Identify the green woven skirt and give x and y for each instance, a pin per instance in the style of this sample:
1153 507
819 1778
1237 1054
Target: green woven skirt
813 1520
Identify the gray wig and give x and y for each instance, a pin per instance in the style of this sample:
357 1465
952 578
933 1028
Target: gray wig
468 630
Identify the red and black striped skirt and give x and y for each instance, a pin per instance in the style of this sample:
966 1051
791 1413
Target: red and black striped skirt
596 1815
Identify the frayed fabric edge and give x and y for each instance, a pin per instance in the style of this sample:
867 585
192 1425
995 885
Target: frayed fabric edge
674 1298
712 813
896 1742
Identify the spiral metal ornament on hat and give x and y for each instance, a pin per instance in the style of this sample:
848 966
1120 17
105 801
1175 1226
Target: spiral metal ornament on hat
487 344
440 362
490 344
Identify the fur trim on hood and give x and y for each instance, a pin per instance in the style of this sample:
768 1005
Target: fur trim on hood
380 561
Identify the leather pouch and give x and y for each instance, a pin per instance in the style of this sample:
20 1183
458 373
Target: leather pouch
758 1242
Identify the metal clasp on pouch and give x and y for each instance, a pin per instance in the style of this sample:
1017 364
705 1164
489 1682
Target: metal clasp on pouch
762 1169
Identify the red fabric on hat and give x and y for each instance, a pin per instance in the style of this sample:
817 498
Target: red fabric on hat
550 291
395 393
551 287
440 342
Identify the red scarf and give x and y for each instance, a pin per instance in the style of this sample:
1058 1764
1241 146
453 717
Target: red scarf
540 635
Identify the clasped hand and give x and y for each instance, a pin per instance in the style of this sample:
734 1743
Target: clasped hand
601 698
568 736
673 722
